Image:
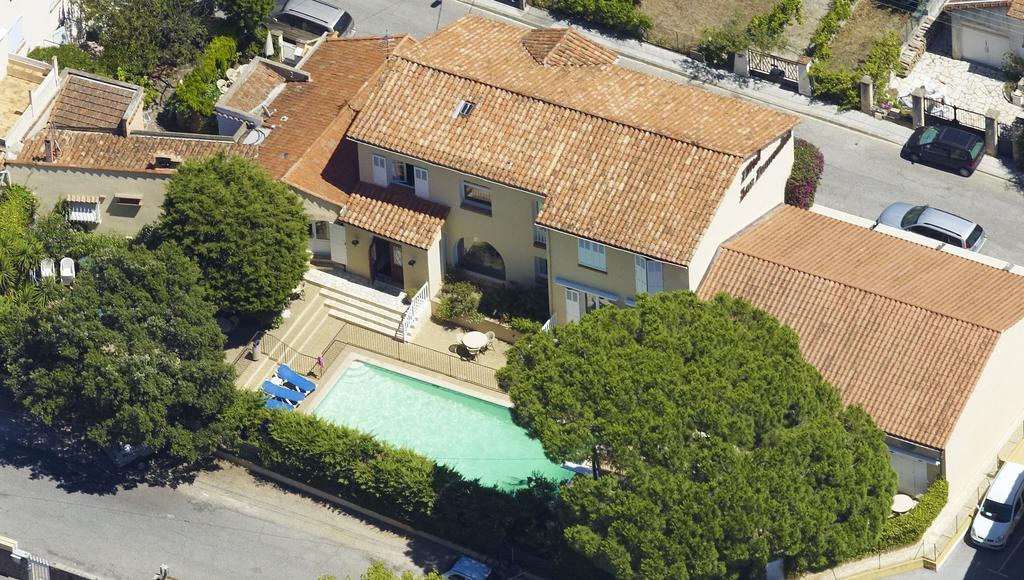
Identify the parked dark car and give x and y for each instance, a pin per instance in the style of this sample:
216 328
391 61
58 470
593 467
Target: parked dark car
934 223
302 21
946 147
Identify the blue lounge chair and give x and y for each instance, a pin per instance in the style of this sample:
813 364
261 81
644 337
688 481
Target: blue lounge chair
293 378
273 403
282 393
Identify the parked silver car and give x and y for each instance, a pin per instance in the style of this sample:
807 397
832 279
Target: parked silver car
935 224
302 21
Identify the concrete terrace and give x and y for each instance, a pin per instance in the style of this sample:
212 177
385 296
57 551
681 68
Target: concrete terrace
14 99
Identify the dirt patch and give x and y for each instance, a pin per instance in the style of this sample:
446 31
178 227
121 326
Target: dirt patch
681 24
870 21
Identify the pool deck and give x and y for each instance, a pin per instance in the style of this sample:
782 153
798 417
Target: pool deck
351 353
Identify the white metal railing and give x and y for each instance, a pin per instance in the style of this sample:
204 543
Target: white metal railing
409 318
547 325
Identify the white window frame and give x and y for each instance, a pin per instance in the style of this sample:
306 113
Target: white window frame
476 203
591 255
421 181
380 170
540 234
84 212
648 275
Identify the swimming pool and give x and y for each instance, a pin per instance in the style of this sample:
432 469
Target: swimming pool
476 438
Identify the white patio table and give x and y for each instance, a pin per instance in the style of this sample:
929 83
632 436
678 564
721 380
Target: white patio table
474 341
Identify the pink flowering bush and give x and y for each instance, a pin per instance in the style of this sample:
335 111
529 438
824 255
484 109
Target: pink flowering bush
808 163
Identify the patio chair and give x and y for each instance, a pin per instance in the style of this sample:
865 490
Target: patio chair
282 392
295 379
67 271
490 339
46 268
273 403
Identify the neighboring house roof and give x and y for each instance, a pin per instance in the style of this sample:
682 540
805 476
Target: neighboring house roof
897 327
256 83
135 153
616 152
395 213
1015 8
310 119
90 102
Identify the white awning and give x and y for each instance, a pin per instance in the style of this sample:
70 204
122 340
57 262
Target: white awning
85 212
84 198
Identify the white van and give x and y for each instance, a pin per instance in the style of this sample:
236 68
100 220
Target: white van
1001 509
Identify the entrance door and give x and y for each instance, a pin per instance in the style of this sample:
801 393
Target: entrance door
396 265
572 305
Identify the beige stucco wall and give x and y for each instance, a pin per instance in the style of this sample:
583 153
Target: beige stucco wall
414 276
993 413
735 214
509 228
53 184
619 278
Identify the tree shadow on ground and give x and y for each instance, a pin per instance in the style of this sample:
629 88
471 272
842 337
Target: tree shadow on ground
425 554
78 465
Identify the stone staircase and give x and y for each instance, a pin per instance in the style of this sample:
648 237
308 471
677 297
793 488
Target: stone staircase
300 330
912 52
351 299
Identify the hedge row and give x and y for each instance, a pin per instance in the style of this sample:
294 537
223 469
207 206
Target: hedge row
621 16
197 93
411 488
808 163
842 85
911 526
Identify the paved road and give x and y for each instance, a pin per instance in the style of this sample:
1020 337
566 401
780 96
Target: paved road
966 562
218 524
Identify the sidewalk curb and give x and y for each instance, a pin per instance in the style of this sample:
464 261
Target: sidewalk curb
499 9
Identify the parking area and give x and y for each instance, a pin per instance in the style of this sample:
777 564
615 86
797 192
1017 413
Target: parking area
966 561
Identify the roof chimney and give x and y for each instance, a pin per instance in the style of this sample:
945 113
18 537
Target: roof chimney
48 148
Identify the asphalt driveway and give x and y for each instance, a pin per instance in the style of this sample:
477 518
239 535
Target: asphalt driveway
966 561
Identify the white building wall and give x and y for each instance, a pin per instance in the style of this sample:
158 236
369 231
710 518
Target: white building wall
992 414
32 23
735 214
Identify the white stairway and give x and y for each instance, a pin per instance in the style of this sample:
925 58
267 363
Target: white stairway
353 301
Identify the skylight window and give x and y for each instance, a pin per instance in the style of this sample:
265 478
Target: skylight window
465 108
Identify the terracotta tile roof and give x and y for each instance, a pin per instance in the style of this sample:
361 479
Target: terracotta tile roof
254 88
494 53
898 328
1016 9
310 118
87 102
101 150
396 213
565 47
605 179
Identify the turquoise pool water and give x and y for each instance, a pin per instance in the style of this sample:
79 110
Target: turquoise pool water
474 437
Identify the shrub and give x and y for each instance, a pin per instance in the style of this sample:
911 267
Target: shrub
764 32
459 300
404 485
524 325
843 86
911 526
829 26
197 93
808 163
617 15
503 303
69 56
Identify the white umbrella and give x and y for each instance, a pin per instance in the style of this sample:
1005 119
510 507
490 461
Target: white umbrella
268 49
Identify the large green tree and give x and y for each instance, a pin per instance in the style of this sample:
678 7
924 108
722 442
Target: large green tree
129 354
246 231
723 449
248 15
139 36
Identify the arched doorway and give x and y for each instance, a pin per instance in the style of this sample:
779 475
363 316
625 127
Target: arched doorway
479 257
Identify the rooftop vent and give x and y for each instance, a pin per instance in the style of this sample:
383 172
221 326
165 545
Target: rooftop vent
465 108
